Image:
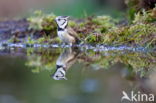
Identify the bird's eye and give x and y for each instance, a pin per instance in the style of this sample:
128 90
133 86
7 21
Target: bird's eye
59 19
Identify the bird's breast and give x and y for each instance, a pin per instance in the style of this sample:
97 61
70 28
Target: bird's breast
65 37
61 34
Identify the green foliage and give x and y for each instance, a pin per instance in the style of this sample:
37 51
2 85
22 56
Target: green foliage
45 59
137 61
101 29
40 60
145 16
90 39
135 34
136 6
72 23
41 21
93 28
30 41
142 32
42 40
36 20
133 6
104 23
14 39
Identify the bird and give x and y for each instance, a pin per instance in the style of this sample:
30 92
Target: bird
66 59
65 33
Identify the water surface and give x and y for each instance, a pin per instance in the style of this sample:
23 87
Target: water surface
89 75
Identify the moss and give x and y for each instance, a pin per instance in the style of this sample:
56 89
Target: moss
145 16
30 41
45 59
14 39
55 40
40 60
135 6
91 38
45 22
141 32
135 34
72 23
99 29
43 40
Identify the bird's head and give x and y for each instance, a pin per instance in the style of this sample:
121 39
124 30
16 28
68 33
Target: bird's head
59 74
62 21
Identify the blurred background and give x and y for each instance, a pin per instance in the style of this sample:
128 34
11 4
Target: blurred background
77 8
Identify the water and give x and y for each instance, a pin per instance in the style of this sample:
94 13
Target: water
51 74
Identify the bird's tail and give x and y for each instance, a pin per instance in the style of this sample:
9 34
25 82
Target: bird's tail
79 41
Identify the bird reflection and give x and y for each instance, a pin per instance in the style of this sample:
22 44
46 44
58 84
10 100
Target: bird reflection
66 59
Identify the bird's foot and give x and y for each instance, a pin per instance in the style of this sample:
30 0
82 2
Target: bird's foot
70 44
63 45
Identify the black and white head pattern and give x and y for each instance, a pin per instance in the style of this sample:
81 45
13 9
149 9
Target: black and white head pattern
62 21
59 74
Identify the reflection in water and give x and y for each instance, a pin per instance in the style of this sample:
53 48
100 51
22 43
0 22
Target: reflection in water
134 63
93 77
66 59
42 59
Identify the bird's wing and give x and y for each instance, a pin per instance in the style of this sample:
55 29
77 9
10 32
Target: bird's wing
72 33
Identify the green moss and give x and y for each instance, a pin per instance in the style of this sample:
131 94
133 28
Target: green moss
145 16
141 32
43 40
45 59
14 39
72 23
30 41
137 34
40 60
41 21
133 6
91 39
101 29
136 6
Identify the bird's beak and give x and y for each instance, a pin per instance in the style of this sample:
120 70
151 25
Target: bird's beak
52 76
65 78
67 17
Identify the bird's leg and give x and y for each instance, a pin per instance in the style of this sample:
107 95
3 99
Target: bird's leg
70 44
63 44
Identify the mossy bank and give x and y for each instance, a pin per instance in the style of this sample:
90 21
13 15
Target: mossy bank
140 31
